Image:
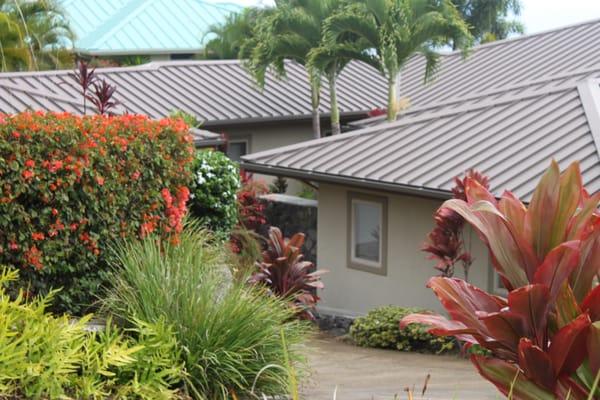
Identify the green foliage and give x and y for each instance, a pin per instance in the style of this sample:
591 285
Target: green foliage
34 35
381 328
42 356
387 33
279 185
229 332
231 34
191 120
216 180
72 185
488 20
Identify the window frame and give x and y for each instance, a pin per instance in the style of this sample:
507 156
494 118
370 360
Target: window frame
245 140
357 263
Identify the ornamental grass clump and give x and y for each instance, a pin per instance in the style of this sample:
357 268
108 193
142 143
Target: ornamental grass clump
70 186
544 338
230 333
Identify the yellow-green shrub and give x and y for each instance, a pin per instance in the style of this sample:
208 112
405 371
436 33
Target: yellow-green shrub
381 328
43 356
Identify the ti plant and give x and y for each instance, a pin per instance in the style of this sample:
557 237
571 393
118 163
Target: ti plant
445 242
85 77
102 96
544 338
287 275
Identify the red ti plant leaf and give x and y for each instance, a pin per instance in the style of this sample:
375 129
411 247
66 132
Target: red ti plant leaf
570 194
591 304
510 255
568 347
531 304
582 277
557 267
567 308
542 209
286 274
515 212
593 348
506 376
536 364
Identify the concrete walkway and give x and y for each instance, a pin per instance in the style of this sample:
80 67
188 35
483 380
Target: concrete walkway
372 374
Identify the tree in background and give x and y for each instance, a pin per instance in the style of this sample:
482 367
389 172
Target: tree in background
34 35
291 31
231 34
489 19
392 31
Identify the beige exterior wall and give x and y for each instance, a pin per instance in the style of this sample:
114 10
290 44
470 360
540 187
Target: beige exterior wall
354 292
267 137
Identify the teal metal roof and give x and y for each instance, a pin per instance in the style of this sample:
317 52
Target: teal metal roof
123 27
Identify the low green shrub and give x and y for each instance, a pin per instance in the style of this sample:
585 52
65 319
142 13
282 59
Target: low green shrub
230 333
70 186
381 328
42 356
216 180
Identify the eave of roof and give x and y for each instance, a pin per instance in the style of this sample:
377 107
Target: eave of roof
305 160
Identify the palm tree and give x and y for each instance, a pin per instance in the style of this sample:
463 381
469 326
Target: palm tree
36 36
231 34
392 31
488 20
291 31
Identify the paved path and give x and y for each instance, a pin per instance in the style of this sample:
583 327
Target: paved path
372 374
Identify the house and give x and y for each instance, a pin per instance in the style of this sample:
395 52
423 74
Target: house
507 111
156 29
220 93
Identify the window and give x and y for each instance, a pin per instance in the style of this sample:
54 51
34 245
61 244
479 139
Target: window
236 149
367 233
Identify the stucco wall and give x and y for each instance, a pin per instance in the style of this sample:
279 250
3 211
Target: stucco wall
266 137
353 292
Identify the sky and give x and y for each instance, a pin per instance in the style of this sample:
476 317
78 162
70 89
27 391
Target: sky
537 15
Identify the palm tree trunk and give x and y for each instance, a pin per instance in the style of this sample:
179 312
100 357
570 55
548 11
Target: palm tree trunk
392 100
315 100
336 129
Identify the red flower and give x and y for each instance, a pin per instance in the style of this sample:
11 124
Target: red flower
13 246
38 236
55 165
16 134
54 212
27 174
30 163
100 180
32 256
136 175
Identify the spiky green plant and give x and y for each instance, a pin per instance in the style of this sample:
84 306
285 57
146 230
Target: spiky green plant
228 331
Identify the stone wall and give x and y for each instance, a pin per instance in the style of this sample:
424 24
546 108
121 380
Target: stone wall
294 214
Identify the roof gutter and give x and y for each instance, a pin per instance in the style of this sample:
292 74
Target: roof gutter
344 180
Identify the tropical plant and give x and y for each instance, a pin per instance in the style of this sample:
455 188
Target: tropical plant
387 33
251 206
287 275
545 337
85 77
488 19
293 30
72 185
229 332
33 35
102 96
229 36
43 356
214 187
380 328
279 185
445 242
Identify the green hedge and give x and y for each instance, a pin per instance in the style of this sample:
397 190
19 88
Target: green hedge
381 328
216 180
70 186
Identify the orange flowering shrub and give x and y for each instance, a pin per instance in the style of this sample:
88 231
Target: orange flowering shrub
70 186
